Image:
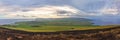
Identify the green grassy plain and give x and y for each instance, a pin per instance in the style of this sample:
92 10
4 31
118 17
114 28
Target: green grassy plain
54 28
53 25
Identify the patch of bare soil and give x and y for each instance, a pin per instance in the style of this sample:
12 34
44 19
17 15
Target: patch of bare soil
96 34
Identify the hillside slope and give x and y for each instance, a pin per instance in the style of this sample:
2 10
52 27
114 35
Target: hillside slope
58 21
96 34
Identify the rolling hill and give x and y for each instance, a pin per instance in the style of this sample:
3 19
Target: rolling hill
59 22
52 24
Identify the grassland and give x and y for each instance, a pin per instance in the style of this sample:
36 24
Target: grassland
74 29
54 28
53 25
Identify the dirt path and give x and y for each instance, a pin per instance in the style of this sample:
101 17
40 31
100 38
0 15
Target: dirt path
96 34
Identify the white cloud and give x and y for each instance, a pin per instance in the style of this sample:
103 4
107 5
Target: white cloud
110 11
45 12
48 11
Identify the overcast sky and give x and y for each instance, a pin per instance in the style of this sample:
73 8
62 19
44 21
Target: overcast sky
57 8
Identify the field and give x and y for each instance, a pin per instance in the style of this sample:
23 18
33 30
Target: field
54 28
53 25
59 30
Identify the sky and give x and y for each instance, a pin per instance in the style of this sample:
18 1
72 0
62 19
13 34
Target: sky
58 8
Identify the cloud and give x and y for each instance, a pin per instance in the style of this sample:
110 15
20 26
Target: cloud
111 8
55 8
110 11
46 12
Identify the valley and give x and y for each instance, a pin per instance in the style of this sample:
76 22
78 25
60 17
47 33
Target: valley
59 29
